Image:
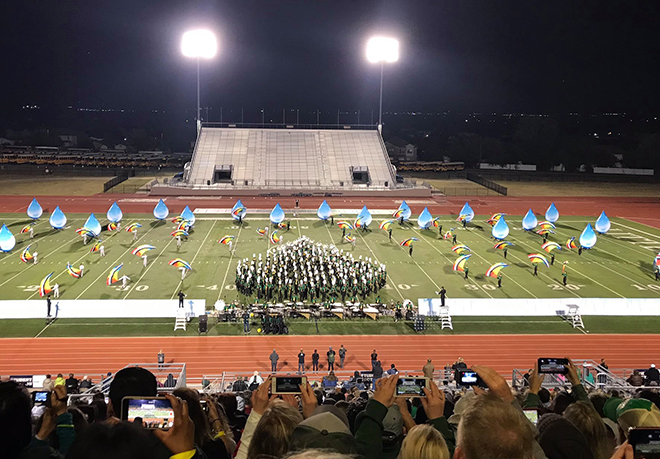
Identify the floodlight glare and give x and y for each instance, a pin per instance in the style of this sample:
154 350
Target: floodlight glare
381 49
199 43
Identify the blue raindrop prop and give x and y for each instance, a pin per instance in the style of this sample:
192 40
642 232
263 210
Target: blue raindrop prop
7 240
277 214
588 237
529 221
365 217
425 219
114 213
57 218
406 211
467 212
241 213
552 214
188 215
500 229
34 210
603 223
324 211
161 211
93 225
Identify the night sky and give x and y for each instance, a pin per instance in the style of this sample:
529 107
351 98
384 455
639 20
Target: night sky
465 55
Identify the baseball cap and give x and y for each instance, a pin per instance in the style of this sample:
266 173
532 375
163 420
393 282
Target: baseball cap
637 412
327 428
460 406
609 407
393 422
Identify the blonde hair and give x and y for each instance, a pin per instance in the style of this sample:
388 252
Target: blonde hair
424 442
273 432
585 417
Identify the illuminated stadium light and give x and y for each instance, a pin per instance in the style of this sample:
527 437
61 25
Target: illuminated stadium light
381 49
199 43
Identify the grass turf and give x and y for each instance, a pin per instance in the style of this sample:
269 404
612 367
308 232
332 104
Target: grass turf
620 265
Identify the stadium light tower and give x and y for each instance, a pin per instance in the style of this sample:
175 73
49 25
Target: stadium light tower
382 49
199 44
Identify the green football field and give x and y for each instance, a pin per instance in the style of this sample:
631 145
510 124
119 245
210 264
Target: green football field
619 266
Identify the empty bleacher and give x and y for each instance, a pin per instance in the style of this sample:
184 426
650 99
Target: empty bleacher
293 159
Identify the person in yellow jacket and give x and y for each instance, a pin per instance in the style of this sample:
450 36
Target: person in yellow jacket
59 381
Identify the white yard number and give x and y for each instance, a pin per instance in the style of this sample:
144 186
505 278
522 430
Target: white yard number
142 288
230 287
471 287
488 287
29 288
561 287
404 286
638 287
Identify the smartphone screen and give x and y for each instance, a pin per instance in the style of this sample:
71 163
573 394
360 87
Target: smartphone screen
645 442
411 387
153 412
469 378
40 397
553 366
532 415
287 384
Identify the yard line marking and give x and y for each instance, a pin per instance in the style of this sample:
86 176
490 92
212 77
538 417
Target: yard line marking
75 263
114 262
44 329
655 236
44 257
231 257
523 260
422 269
193 260
133 285
595 281
373 254
449 260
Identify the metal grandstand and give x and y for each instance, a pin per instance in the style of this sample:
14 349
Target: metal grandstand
289 159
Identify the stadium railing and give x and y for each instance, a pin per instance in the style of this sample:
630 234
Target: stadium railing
476 178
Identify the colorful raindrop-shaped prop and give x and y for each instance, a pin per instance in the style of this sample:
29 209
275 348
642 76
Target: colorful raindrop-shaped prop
495 218
93 225
603 223
96 247
425 219
364 218
466 214
188 215
588 237
344 225
403 211
262 231
550 246
34 210
386 225
275 238
277 214
114 213
161 211
570 244
226 240
133 227
179 233
57 219
239 211
502 245
552 214
529 221
324 211
7 239
500 229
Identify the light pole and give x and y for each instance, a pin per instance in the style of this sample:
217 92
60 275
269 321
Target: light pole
199 44
381 49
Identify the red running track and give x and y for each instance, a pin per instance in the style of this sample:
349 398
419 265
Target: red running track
213 355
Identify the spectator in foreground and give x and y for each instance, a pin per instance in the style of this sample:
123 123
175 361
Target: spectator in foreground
48 383
424 442
16 440
583 415
71 384
652 376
